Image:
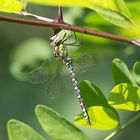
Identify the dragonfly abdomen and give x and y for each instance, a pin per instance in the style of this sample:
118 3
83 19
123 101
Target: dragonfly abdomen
68 62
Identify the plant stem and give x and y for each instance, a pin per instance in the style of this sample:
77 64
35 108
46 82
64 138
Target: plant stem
35 16
129 122
46 22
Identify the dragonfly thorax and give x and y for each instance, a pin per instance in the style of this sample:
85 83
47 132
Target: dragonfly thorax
60 51
59 48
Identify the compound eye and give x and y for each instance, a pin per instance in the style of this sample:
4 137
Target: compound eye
54 40
51 39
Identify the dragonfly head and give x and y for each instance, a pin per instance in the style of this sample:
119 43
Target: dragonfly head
54 40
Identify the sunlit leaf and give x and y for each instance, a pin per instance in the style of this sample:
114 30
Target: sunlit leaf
56 126
121 73
102 118
10 6
114 11
126 97
20 131
77 3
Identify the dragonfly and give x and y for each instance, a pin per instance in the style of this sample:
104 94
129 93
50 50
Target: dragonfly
60 52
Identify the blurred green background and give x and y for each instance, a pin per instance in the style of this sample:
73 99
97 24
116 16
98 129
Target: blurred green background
18 99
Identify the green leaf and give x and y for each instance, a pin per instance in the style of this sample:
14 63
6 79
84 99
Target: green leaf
20 131
24 3
91 94
102 115
10 6
56 126
27 56
115 11
136 71
121 73
77 3
125 96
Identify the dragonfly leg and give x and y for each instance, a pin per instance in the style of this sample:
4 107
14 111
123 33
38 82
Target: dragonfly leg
72 43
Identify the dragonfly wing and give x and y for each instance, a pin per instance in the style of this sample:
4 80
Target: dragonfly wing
44 72
83 63
50 75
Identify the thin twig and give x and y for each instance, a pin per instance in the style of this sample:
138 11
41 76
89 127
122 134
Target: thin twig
46 22
129 122
132 120
36 16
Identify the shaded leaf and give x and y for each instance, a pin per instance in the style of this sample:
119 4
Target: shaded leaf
91 94
10 6
56 126
125 96
136 71
121 73
19 131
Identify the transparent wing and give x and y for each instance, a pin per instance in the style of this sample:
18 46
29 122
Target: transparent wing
83 63
44 72
50 75
55 85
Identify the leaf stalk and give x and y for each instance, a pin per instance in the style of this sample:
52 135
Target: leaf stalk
118 130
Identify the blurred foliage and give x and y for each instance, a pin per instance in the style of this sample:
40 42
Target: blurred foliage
102 113
16 127
114 11
27 56
97 47
30 53
10 5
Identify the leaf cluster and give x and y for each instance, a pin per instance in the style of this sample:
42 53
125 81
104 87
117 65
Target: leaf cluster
125 95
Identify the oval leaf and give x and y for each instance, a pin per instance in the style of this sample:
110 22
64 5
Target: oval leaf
121 73
98 108
20 131
102 118
126 97
136 71
56 126
27 56
114 11
10 6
